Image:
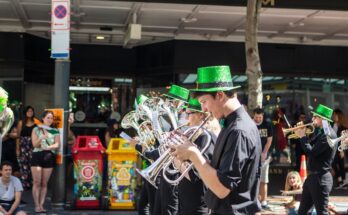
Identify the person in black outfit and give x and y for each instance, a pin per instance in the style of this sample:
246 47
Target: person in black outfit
317 186
265 130
296 144
147 193
191 188
9 149
233 175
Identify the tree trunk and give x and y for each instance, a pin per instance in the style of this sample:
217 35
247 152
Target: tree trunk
253 70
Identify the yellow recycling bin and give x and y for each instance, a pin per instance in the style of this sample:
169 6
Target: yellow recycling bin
122 160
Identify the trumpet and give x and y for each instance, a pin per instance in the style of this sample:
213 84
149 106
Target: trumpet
151 172
188 166
333 142
309 130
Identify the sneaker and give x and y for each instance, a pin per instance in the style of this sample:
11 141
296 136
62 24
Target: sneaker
266 207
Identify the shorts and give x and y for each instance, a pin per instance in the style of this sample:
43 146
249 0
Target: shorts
7 207
264 173
44 159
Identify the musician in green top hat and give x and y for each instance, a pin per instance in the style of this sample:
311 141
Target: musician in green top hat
232 176
317 186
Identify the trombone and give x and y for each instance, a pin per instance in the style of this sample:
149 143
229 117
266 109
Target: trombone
309 130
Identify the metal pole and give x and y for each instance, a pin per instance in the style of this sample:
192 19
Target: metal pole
61 100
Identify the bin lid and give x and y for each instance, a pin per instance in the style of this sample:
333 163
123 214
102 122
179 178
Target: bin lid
88 143
119 145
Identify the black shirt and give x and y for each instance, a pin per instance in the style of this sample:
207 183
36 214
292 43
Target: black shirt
265 130
191 191
237 159
319 151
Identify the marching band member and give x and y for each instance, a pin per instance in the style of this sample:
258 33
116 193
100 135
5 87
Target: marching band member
167 194
317 186
191 188
233 175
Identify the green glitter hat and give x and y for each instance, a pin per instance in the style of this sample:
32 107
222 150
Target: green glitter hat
194 105
213 79
139 100
3 99
177 92
323 112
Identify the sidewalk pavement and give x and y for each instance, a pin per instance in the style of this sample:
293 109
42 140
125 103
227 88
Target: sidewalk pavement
277 177
275 202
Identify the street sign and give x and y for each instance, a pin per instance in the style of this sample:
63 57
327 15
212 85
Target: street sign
60 29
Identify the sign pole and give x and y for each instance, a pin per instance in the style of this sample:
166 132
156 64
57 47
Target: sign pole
61 95
60 51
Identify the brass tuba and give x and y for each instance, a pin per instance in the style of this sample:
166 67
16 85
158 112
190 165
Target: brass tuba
333 142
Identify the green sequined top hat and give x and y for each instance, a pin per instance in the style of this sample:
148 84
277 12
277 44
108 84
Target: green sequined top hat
3 99
177 92
214 78
194 105
323 112
139 100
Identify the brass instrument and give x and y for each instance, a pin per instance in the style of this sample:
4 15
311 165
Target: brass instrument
187 165
151 172
309 130
144 130
333 142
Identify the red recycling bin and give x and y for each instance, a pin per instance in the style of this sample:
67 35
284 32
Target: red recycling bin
87 154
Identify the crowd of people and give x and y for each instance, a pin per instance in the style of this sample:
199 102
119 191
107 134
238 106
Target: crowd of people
231 174
28 158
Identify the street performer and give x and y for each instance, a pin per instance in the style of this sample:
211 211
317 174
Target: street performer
233 176
317 186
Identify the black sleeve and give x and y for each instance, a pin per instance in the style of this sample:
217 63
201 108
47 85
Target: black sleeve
315 150
233 160
269 130
139 148
152 155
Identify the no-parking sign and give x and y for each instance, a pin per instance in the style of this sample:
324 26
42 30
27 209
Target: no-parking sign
60 15
60 28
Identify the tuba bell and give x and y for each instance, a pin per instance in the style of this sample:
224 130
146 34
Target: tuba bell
333 142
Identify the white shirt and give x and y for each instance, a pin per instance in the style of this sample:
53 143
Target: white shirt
7 193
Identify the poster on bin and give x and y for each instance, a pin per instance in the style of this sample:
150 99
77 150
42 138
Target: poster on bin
88 180
58 122
122 181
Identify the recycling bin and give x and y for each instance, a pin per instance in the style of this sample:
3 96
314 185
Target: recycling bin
87 154
122 181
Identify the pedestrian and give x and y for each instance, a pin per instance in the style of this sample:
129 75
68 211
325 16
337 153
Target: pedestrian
46 141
